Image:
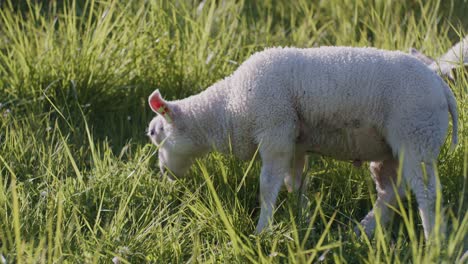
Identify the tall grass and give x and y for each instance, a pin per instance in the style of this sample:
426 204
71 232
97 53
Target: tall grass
79 181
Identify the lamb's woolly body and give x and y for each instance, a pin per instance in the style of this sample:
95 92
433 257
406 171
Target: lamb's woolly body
341 101
347 103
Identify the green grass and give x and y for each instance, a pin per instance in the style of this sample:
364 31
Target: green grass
79 180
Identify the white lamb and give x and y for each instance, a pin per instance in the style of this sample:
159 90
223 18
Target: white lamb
358 104
446 63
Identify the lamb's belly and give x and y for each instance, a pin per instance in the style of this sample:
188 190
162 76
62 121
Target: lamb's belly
365 144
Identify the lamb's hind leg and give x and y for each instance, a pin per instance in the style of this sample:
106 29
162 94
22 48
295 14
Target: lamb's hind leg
425 193
384 174
433 188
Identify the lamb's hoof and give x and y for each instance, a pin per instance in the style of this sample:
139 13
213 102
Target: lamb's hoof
259 228
362 229
360 232
357 231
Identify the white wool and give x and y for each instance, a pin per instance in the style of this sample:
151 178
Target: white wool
452 59
337 90
455 57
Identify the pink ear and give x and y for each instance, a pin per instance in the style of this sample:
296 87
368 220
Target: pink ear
158 105
155 101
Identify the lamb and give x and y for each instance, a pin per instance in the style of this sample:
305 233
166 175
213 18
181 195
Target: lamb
446 63
358 104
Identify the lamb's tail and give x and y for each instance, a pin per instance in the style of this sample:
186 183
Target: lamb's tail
452 107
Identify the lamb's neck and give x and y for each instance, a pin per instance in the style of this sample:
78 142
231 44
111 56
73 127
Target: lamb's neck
206 120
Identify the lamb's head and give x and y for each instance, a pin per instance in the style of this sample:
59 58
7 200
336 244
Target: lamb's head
177 151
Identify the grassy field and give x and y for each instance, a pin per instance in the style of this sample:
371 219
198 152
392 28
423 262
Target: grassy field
79 179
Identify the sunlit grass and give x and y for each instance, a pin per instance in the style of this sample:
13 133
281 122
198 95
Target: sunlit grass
79 181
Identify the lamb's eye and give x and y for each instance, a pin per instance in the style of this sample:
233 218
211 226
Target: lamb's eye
152 132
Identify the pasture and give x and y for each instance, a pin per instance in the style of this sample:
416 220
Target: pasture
79 181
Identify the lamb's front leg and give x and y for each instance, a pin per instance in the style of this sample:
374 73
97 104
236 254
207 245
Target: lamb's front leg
276 166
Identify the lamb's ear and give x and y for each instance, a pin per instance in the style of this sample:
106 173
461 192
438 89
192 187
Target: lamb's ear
420 56
160 106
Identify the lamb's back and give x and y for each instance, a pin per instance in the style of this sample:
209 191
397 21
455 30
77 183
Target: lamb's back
341 89
324 80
